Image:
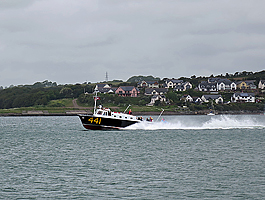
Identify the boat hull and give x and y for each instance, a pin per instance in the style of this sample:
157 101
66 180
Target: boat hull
92 122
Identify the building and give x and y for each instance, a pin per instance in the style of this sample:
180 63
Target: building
225 84
148 84
127 91
155 91
197 100
186 98
155 98
216 84
243 97
105 88
171 83
183 86
205 86
248 84
218 99
261 84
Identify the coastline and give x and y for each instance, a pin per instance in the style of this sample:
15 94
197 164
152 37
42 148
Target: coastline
152 113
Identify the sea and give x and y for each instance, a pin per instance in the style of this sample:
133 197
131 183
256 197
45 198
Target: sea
175 157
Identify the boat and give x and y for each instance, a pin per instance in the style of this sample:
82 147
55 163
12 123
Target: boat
212 111
105 119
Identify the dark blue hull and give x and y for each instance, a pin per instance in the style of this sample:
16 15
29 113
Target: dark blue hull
104 123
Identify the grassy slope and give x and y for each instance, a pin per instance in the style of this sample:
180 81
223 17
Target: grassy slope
63 105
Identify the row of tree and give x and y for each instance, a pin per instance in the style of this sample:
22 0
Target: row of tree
25 96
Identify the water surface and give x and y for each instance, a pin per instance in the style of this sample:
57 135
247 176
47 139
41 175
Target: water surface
185 157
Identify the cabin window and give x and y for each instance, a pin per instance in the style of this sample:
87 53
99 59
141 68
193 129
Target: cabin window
120 117
99 112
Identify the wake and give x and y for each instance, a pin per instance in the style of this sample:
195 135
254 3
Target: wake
203 122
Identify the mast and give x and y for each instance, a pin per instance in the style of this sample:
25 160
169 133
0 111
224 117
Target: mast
107 77
127 108
160 114
95 99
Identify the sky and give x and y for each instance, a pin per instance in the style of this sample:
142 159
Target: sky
74 41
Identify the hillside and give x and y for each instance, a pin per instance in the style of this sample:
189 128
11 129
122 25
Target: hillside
46 92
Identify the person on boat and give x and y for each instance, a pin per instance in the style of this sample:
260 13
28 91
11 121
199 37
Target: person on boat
149 119
130 112
140 118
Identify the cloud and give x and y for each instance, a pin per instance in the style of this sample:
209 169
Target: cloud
74 41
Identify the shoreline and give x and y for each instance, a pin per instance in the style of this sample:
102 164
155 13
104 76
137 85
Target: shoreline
152 113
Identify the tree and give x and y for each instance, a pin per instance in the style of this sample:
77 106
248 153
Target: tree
141 78
66 92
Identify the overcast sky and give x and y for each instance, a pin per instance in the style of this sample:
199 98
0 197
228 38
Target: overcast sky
73 41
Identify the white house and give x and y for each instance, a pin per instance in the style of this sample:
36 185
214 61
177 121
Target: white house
197 100
261 84
155 98
204 86
150 84
243 97
183 86
171 83
103 85
216 84
155 91
186 98
225 84
105 88
216 98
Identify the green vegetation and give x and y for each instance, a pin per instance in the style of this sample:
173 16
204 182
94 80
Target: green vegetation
26 96
46 109
136 79
110 100
60 103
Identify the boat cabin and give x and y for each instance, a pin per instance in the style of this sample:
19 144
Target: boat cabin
106 112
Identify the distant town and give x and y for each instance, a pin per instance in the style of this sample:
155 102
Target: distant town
239 91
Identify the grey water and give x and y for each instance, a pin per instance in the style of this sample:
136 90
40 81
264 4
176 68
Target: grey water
183 157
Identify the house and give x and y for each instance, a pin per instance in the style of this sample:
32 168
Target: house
197 100
261 84
149 84
171 83
186 98
243 97
216 84
205 86
248 84
213 80
103 85
155 98
225 84
127 91
216 98
155 91
183 86
105 88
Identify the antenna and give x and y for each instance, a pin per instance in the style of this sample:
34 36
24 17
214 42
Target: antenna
107 77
